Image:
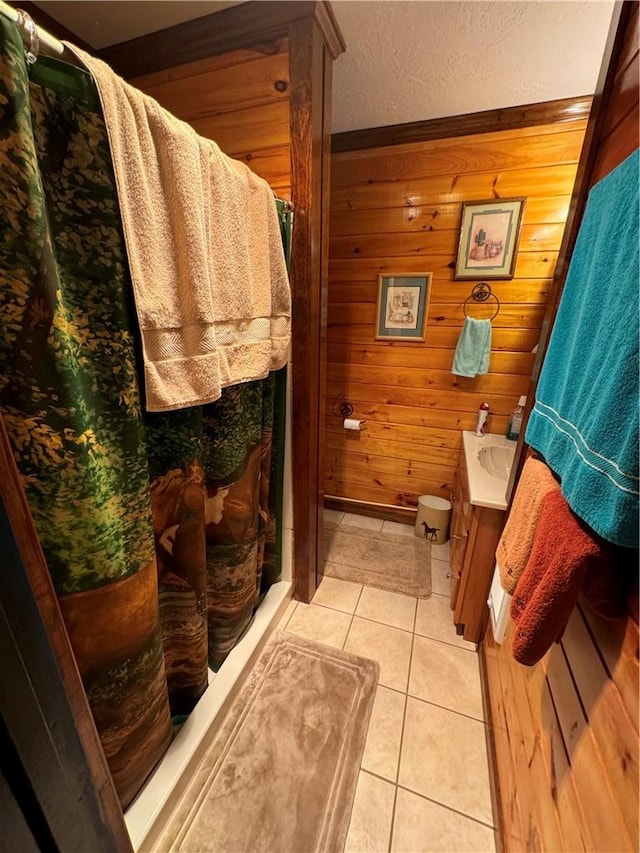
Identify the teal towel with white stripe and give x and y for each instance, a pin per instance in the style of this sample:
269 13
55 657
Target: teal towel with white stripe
471 357
585 418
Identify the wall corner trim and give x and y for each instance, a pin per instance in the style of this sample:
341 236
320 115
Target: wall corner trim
488 121
326 20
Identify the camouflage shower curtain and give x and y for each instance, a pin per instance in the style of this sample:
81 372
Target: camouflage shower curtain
161 531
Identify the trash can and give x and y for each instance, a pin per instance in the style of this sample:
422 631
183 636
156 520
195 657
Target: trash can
435 513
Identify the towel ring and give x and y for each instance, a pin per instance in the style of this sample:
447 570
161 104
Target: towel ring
480 293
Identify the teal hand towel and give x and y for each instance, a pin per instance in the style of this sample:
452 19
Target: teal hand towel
474 345
585 418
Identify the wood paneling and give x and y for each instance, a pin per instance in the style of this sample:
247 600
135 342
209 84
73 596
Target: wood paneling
565 731
243 25
441 217
479 153
397 209
583 793
256 81
310 118
529 115
240 99
427 191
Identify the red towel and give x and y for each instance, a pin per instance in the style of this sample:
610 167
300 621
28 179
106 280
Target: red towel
564 550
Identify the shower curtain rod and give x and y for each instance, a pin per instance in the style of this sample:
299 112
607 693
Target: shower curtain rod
22 19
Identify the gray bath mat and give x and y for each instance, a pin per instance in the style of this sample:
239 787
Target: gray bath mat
281 773
383 560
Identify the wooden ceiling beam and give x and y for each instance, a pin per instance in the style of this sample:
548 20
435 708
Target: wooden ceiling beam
245 25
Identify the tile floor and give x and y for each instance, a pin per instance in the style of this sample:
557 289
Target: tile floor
424 778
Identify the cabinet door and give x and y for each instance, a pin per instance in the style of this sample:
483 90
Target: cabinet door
459 533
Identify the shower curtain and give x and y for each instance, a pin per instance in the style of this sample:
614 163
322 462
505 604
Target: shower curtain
161 531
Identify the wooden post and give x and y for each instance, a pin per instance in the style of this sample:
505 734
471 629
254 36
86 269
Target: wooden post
48 732
306 52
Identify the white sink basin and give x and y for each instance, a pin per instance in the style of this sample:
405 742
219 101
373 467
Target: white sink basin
488 460
496 460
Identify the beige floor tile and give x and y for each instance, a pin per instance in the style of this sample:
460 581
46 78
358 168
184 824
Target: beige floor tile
333 515
447 676
444 757
421 826
398 529
389 646
434 618
353 520
390 608
288 613
440 580
320 624
338 594
440 552
382 750
370 827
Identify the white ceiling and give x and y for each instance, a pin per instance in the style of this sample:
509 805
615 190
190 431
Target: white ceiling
104 22
408 60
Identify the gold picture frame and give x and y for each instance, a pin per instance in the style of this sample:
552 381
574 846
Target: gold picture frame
489 237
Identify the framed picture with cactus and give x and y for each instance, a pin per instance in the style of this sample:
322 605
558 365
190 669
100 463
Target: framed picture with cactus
489 235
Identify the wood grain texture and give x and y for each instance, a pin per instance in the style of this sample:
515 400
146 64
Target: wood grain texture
475 581
398 209
324 298
232 98
438 217
256 81
463 186
529 115
566 730
241 26
309 115
403 515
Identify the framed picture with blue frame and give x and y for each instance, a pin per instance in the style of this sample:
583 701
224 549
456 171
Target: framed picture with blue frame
489 235
403 301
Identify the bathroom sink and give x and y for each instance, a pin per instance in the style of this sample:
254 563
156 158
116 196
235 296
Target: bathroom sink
496 460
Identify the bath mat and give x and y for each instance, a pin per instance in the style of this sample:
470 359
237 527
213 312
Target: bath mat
281 773
384 560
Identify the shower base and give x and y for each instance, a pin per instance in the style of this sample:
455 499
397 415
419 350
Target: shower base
148 813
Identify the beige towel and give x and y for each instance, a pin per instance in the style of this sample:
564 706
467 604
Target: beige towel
203 241
516 541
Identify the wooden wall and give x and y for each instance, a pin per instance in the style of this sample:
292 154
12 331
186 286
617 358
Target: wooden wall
566 738
240 99
565 731
398 208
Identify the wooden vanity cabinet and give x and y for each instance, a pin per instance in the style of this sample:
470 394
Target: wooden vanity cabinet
475 531
459 530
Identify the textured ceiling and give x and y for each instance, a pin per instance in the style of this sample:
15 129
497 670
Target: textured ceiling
104 22
408 61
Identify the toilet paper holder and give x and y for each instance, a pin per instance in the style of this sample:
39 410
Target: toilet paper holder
346 410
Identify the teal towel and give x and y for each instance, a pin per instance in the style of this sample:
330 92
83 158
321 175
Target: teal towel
585 418
474 345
